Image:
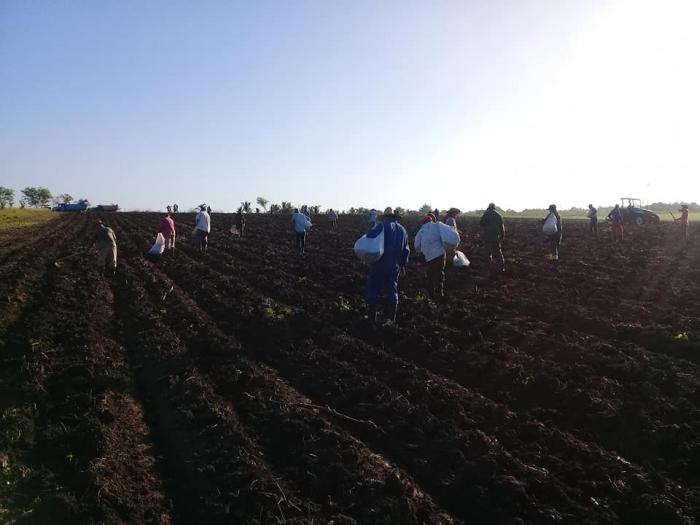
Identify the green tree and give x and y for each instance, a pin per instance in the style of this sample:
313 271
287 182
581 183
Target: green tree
275 208
64 198
425 209
399 210
36 196
7 197
246 206
263 202
316 209
286 206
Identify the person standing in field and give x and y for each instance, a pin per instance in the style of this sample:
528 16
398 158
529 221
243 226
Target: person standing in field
428 242
592 215
372 218
167 228
240 221
552 230
300 223
616 219
202 228
333 218
174 208
106 243
385 272
451 217
306 212
169 208
492 234
683 220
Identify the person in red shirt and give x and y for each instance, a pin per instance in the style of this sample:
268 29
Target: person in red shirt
683 219
167 228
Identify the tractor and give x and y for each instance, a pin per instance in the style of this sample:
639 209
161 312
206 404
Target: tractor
633 213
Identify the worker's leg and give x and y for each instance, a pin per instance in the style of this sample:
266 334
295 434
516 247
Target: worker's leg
391 281
102 258
112 259
436 276
374 284
205 241
498 251
303 242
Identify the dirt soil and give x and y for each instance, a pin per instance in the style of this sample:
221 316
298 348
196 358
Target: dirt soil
247 386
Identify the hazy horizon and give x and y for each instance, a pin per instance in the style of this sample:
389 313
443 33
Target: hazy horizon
356 104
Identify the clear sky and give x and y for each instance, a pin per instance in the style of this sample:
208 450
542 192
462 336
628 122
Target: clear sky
352 103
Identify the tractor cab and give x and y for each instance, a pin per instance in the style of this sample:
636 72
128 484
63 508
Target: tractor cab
633 213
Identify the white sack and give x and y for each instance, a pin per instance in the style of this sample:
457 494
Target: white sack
460 260
370 250
449 236
550 225
159 247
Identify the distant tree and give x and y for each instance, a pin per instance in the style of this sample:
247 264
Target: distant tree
257 210
425 209
22 203
84 201
263 202
275 208
286 206
399 210
64 197
246 206
315 209
7 197
36 196
352 211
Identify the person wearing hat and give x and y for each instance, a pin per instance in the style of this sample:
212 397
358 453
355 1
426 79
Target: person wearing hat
451 217
683 220
553 239
167 228
384 273
492 233
429 243
372 217
202 227
106 243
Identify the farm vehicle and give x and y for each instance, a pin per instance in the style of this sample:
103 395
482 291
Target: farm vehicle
81 205
633 213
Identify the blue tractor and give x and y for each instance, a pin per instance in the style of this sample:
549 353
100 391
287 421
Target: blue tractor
633 213
81 205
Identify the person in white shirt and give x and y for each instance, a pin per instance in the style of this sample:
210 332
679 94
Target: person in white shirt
429 242
372 218
202 228
301 224
333 217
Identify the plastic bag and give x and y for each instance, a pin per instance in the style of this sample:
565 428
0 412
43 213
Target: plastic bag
159 246
449 236
234 230
370 250
550 225
460 260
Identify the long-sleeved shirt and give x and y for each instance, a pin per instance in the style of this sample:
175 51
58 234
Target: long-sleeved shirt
684 217
203 221
105 238
300 222
396 250
372 218
167 226
492 228
592 214
451 221
615 216
429 241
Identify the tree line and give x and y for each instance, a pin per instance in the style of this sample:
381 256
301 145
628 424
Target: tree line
32 196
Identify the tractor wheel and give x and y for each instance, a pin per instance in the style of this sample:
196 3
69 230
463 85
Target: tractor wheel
639 220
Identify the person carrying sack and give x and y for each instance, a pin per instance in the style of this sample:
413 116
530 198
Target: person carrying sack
552 231
300 223
106 243
384 273
167 228
202 227
429 242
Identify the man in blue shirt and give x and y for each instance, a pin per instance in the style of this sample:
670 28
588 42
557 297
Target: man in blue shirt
384 273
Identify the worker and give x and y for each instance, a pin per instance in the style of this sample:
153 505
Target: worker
683 220
615 217
333 218
451 217
201 229
167 228
301 224
106 243
592 215
305 211
428 242
492 234
372 218
209 210
169 208
553 231
384 273
240 221
436 214
174 208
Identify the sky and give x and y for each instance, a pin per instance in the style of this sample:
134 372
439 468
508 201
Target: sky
346 103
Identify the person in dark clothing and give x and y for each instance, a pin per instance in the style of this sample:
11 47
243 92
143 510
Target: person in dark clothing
240 221
385 272
106 243
592 215
616 219
492 234
683 220
174 208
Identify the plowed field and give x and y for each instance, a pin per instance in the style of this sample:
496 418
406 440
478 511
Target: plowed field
245 387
